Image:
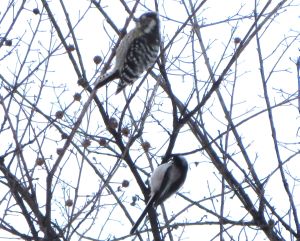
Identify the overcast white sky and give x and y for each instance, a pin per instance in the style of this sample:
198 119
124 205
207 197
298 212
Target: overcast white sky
92 39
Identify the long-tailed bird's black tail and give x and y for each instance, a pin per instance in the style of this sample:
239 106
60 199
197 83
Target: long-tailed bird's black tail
137 223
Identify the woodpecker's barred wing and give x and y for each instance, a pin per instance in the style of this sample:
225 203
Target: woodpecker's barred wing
140 57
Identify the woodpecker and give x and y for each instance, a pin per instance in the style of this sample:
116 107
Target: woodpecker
136 53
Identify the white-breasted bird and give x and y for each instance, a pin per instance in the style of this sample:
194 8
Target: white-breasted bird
165 181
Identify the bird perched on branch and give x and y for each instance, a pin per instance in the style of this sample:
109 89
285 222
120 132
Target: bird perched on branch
165 181
136 53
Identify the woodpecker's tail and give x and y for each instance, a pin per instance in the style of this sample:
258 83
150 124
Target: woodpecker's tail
121 86
106 78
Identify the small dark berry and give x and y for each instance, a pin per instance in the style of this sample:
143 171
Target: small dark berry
64 136
113 123
59 114
8 42
146 146
77 96
237 40
59 151
97 59
70 48
134 199
125 131
102 142
125 183
82 82
39 161
271 223
86 143
69 203
36 11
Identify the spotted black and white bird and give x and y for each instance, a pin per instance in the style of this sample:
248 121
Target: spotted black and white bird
165 181
136 53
